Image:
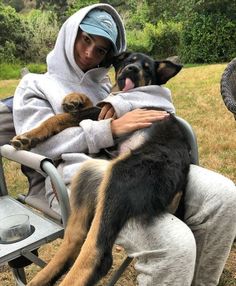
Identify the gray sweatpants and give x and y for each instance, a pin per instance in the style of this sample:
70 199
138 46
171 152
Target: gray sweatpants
171 252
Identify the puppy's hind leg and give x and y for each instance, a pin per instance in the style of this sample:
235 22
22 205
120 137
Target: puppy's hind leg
83 198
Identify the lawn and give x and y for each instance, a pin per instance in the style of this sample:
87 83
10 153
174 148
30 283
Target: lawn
196 95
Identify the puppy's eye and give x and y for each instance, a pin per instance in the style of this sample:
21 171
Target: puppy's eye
132 60
146 66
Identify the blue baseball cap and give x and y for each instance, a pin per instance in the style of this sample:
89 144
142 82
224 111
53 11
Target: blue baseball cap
100 23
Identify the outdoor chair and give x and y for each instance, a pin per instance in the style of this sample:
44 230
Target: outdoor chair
228 86
36 168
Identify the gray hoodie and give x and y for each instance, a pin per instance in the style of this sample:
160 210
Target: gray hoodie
39 97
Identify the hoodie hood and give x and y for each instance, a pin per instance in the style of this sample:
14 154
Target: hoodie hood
61 62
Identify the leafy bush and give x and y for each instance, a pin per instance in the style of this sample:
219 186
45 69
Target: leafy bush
26 38
17 4
208 38
43 28
75 5
7 52
37 68
12 34
164 39
136 15
137 41
160 41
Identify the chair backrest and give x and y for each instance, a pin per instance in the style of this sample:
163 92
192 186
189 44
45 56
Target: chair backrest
228 86
192 140
7 130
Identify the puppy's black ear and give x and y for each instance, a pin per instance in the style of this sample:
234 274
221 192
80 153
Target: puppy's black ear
118 59
166 70
112 59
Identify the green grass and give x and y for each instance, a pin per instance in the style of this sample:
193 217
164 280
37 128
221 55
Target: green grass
7 87
13 71
8 71
227 279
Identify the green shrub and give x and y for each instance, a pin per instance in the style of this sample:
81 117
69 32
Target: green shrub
17 4
160 41
12 34
7 52
137 41
208 38
43 29
164 38
37 68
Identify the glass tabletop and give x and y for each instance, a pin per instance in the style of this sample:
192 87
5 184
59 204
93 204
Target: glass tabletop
43 229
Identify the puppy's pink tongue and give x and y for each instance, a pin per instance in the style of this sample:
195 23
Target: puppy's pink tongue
128 84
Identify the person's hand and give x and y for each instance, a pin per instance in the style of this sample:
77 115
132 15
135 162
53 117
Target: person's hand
107 111
136 119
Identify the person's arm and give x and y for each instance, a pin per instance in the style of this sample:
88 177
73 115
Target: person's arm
148 96
31 107
135 120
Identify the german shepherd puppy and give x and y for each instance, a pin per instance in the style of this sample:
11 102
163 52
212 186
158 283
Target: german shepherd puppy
141 183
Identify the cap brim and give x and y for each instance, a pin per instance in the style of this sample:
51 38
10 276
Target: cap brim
98 32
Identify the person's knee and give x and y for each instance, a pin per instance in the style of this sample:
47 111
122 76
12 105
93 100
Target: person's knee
224 191
182 247
168 238
227 196
169 259
208 192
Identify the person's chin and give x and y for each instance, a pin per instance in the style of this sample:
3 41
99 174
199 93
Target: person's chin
84 65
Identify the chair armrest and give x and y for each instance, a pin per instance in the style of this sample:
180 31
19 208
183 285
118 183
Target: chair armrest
44 166
192 140
27 158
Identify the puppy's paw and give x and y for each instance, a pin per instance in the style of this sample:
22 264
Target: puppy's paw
23 142
74 102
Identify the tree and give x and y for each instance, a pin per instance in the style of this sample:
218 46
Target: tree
75 5
17 4
12 32
45 28
209 33
60 7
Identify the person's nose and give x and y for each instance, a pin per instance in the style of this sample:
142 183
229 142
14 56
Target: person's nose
89 52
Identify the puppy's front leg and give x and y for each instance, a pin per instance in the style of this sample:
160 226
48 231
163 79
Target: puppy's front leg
46 129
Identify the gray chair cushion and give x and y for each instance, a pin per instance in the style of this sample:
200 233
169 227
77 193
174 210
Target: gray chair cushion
7 130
